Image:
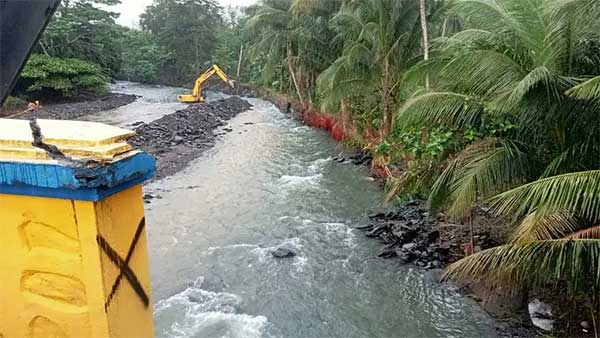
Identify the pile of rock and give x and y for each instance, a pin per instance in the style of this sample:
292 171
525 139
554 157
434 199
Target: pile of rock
178 138
360 158
408 235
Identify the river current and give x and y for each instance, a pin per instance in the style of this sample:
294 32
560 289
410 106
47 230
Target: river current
272 180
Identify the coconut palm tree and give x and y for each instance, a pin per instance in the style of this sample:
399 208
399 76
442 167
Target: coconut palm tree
423 17
292 35
381 40
529 62
514 62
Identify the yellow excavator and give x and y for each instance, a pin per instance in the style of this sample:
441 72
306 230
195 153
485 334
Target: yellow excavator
196 95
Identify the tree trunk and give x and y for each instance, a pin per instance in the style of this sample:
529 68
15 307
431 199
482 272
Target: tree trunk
423 15
239 67
293 74
387 109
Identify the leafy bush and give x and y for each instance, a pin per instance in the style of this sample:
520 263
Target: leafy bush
63 77
13 102
142 57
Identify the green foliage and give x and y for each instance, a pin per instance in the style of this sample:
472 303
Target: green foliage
82 29
290 39
66 77
380 42
513 82
187 29
419 143
142 57
13 102
229 43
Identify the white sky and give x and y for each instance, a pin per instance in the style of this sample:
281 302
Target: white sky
131 9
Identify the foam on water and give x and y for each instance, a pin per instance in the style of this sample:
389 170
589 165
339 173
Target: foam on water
300 263
301 129
341 230
211 250
317 165
195 312
287 180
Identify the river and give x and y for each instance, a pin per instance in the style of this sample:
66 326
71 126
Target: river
269 181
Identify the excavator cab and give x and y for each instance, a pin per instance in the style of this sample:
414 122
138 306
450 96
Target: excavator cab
196 95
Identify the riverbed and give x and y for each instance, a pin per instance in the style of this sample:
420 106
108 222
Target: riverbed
271 180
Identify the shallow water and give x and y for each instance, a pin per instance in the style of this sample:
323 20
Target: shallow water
153 103
269 181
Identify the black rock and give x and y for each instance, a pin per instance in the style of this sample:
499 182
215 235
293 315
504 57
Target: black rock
433 236
410 246
404 256
285 250
387 252
365 227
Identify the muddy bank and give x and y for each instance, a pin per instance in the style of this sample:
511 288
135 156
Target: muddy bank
178 138
75 110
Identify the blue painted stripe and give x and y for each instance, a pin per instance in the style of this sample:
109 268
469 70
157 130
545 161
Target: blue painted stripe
89 183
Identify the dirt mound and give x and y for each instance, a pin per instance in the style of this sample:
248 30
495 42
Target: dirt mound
178 138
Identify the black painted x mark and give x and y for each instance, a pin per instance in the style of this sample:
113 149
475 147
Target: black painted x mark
123 265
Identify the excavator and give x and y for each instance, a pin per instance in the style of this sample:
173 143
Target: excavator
196 95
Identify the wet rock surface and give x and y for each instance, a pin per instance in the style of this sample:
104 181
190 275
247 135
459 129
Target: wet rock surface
285 250
178 138
411 236
360 158
75 110
408 236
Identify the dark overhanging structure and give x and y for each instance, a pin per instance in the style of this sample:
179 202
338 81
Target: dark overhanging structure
21 25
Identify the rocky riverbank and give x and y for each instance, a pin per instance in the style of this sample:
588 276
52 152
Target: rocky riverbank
178 138
410 235
75 110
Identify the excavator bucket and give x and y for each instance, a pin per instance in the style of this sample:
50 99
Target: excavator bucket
21 24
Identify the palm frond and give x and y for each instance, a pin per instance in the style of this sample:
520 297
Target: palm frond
486 167
440 191
538 75
572 159
577 192
532 264
588 90
589 233
440 109
547 225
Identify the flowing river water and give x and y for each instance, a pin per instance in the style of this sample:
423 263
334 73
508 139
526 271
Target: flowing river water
269 181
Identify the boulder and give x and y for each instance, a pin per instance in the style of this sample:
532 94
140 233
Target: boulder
541 315
285 250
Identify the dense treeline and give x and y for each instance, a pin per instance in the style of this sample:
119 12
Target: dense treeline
464 102
83 48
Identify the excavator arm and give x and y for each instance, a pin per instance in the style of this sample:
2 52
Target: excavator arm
196 95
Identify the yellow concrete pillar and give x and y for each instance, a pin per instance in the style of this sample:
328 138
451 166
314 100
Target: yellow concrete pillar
72 232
